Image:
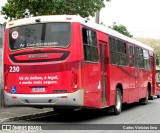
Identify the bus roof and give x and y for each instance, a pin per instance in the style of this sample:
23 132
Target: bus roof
75 18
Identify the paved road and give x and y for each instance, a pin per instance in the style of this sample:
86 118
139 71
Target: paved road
131 114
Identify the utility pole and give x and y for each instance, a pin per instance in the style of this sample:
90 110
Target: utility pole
2 28
97 18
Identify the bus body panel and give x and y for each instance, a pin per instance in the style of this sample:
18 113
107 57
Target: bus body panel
41 78
61 76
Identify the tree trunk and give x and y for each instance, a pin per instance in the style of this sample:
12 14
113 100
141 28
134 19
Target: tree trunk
97 18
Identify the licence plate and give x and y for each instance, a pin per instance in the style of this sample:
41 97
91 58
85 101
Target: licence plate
38 89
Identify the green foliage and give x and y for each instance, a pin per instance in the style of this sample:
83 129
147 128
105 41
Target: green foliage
154 43
14 9
157 61
122 29
4 23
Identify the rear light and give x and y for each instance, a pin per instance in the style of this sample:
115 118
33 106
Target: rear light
6 89
10 24
74 83
69 18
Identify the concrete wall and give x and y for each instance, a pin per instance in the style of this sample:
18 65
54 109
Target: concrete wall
1 65
1 35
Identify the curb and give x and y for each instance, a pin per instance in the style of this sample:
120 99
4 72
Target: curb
29 116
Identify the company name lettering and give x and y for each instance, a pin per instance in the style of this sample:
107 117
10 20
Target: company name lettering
38 56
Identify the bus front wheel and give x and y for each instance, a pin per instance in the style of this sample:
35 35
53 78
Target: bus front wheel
118 102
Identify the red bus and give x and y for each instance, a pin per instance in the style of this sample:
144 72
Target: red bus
65 62
158 81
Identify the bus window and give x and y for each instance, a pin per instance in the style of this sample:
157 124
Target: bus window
131 56
121 53
146 60
113 53
40 35
139 57
90 45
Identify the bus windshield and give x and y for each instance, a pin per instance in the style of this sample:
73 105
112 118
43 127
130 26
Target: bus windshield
40 35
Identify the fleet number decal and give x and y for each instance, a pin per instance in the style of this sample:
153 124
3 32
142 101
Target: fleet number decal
14 69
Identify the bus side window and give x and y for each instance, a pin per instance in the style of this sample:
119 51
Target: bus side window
139 58
146 60
90 45
131 56
121 53
113 51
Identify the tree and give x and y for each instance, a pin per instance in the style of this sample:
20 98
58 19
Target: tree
97 16
154 43
121 28
14 9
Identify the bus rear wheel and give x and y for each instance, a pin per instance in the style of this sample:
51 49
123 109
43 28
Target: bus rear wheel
118 103
144 101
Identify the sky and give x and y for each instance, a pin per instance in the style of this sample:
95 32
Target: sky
2 3
141 17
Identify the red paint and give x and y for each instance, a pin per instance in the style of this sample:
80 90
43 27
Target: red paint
75 73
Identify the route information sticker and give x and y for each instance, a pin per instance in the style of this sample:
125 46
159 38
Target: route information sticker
36 80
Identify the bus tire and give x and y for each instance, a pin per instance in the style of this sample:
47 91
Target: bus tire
118 102
144 101
151 98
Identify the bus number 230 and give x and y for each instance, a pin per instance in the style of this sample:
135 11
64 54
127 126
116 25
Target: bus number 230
14 69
